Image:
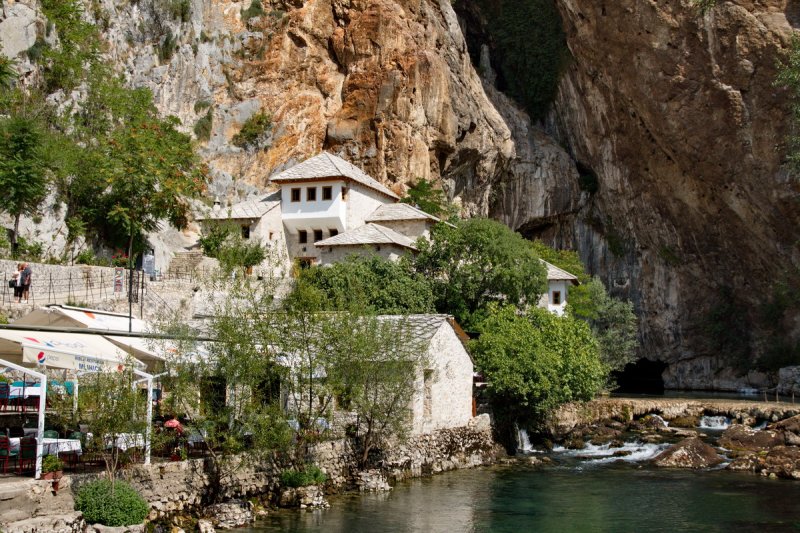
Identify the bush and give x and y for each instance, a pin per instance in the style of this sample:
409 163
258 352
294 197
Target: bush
118 504
252 130
310 475
51 463
202 128
255 10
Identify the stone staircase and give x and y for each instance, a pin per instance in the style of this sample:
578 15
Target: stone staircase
184 263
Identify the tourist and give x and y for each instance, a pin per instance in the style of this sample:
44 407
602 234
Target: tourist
26 281
16 282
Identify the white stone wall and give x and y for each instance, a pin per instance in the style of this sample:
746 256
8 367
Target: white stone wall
334 254
316 214
361 203
451 386
413 229
547 299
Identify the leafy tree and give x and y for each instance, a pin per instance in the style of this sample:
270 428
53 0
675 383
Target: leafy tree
78 45
376 367
253 131
8 75
23 170
372 283
426 197
235 253
612 320
476 262
789 77
537 361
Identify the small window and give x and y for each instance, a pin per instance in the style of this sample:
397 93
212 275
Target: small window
271 235
311 194
303 234
344 193
295 195
245 232
556 297
317 235
334 232
327 192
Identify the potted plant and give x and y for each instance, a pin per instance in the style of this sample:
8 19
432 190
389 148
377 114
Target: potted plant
52 467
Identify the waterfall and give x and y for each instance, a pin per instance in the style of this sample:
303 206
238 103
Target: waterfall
523 441
715 422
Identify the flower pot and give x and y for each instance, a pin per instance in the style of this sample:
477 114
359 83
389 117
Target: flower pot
53 476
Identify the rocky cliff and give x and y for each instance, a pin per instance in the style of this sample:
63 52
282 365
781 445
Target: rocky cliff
660 160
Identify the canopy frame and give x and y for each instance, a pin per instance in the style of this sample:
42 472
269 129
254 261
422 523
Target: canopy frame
42 399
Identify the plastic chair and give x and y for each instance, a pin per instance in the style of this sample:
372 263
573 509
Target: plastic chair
6 452
69 386
27 455
50 434
5 391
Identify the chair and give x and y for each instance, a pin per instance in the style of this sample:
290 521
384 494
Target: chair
50 434
27 455
5 392
6 452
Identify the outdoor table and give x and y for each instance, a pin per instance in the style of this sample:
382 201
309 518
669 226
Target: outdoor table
123 441
28 392
51 446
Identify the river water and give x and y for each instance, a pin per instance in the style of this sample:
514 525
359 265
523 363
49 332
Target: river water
580 491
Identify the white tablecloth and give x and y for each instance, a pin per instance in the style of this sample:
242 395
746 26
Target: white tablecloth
51 446
123 441
17 392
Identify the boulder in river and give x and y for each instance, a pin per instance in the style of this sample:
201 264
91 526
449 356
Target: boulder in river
780 461
741 437
688 453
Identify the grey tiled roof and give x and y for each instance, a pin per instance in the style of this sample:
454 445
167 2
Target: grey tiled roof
399 211
368 234
556 274
249 209
327 165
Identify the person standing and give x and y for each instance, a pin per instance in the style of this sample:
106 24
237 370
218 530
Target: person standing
26 281
17 278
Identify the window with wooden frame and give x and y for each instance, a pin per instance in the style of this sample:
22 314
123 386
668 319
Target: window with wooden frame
327 192
311 194
556 297
333 232
303 236
317 235
295 195
245 232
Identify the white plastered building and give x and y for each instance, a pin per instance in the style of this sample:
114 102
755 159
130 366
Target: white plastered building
558 282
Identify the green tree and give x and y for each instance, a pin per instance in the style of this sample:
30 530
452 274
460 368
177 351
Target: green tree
537 361
23 170
789 77
372 283
476 262
8 75
425 196
78 45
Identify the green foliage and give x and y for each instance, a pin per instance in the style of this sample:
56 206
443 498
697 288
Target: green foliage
180 10
200 105
704 6
51 463
78 46
212 240
37 50
202 128
669 255
236 252
253 131
23 169
167 47
477 262
426 197
789 77
255 10
372 283
537 361
310 475
111 504
8 73
531 47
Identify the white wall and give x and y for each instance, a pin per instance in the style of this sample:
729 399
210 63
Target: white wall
318 214
361 203
334 254
451 387
546 301
413 229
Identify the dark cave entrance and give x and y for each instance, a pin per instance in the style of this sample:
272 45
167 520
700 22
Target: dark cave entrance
641 377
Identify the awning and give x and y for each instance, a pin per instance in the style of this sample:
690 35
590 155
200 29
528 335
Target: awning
68 316
72 351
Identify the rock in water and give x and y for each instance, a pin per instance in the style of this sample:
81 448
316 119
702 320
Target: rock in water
740 437
688 453
780 461
231 514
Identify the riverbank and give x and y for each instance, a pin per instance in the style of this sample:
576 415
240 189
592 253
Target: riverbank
187 487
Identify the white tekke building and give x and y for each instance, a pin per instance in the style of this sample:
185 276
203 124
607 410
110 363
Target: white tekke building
327 209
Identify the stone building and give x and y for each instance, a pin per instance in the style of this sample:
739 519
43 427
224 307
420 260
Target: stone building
558 282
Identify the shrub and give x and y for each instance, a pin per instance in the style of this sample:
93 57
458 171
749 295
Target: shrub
51 463
255 10
202 128
252 130
85 257
310 475
118 504
180 10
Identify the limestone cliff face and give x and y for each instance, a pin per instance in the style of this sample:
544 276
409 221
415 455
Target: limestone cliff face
674 113
678 115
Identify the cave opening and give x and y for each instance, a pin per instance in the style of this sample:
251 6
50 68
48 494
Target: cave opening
641 377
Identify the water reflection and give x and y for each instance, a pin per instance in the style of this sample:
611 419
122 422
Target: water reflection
617 498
